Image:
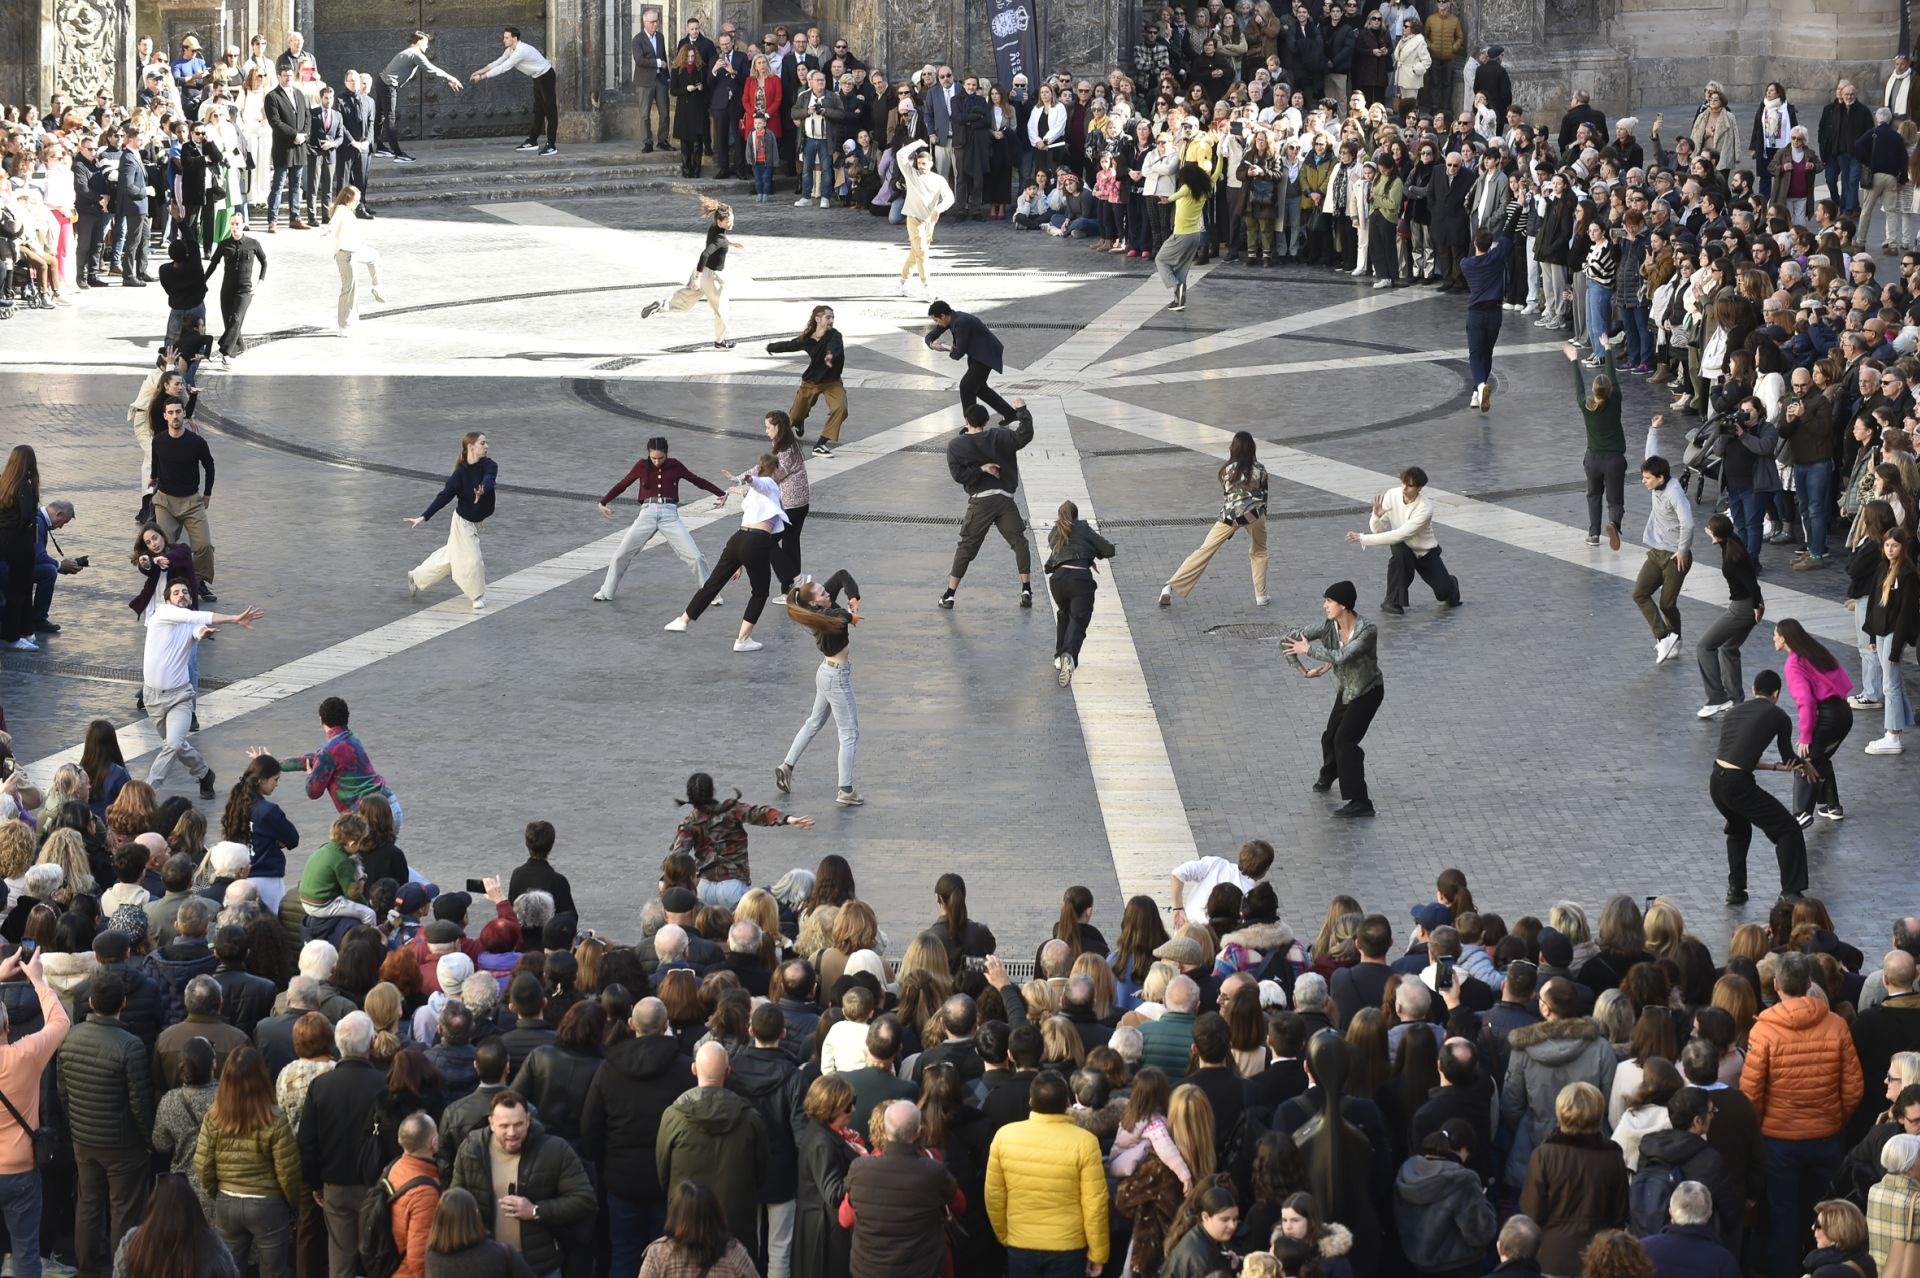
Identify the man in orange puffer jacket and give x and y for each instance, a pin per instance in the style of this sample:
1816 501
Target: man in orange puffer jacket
1803 1078
413 1211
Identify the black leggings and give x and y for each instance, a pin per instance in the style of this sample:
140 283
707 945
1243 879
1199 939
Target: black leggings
16 619
786 548
751 549
1340 754
1832 722
1072 592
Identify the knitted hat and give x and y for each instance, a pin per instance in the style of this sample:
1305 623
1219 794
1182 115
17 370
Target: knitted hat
130 920
1344 594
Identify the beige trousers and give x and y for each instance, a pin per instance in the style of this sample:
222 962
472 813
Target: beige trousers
460 557
711 288
1189 572
919 240
349 293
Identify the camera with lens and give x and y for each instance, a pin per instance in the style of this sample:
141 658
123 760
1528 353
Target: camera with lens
1733 421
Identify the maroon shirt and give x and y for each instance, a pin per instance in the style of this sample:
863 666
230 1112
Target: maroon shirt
659 481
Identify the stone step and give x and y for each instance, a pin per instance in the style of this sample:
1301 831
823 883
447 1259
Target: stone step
466 192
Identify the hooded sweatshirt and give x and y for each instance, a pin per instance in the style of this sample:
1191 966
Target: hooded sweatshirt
716 1137
1442 1210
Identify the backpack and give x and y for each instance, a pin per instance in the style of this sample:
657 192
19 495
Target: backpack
380 1256
1647 1197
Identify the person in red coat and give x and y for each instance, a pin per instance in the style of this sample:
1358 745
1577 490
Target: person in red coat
761 93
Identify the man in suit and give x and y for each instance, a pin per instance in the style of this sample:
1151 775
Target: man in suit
796 73
289 121
650 77
1447 214
355 162
324 141
970 121
939 108
91 164
726 79
130 196
702 45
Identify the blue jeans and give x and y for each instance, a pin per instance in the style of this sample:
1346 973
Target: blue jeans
762 179
1025 1263
1599 314
663 519
1747 508
832 694
176 321
817 151
1795 1168
1639 327
1843 180
630 1227
1872 674
1483 330
1898 714
292 175
1813 489
20 1204
897 212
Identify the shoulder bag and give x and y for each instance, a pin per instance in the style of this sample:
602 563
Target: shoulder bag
45 1142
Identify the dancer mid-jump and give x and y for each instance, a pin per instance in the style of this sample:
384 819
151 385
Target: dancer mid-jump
750 550
470 489
707 280
817 607
987 464
659 477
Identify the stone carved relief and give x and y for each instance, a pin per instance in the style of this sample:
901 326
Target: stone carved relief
1078 35
88 34
1506 22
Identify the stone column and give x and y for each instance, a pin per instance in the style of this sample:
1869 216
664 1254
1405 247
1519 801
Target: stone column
573 46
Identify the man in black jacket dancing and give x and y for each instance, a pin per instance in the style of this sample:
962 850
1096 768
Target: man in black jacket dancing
987 464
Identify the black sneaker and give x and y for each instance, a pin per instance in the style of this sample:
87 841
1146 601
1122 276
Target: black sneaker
1736 896
1355 808
1397 610
549 150
529 145
207 596
783 777
946 601
1323 787
799 430
193 725
823 449
649 310
1026 597
206 784
403 159
725 344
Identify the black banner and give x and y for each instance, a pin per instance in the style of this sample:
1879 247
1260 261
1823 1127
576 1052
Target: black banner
1015 41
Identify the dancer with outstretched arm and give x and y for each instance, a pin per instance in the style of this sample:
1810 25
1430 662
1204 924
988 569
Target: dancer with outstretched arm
708 280
749 550
987 464
1348 645
659 477
968 338
816 605
826 362
470 488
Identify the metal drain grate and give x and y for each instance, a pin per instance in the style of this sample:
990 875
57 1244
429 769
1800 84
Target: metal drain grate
88 670
1247 630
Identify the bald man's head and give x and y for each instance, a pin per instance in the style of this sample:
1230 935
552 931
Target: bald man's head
710 1066
1898 968
649 1018
903 1122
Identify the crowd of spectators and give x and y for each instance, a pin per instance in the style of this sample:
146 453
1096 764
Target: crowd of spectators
449 1084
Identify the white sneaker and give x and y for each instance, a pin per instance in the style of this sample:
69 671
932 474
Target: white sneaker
901 289
802 202
600 598
1383 283
825 203
24 645
1473 397
1664 650
677 626
480 604
412 590
1717 708
718 600
747 645
1166 596
1261 601
1859 702
1888 744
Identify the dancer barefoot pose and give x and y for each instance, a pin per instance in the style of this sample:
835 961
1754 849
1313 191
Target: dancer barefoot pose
817 607
659 477
750 550
826 362
707 280
470 489
1070 568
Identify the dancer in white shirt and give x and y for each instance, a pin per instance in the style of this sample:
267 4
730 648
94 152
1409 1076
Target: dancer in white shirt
750 550
174 631
528 61
1403 519
928 196
349 251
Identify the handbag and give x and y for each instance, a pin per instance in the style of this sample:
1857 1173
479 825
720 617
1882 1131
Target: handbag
45 1142
1262 193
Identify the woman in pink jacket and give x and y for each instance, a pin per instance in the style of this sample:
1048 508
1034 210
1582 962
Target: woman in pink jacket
1819 688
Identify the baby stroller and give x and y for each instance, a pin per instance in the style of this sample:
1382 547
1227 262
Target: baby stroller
1701 461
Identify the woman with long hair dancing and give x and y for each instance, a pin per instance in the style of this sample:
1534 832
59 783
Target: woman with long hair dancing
826 361
1243 484
749 550
714 834
659 478
816 606
1192 189
349 252
253 818
796 495
470 488
1075 549
707 280
1819 689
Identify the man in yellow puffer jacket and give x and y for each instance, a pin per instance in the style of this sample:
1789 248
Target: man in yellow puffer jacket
1446 42
1047 1189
